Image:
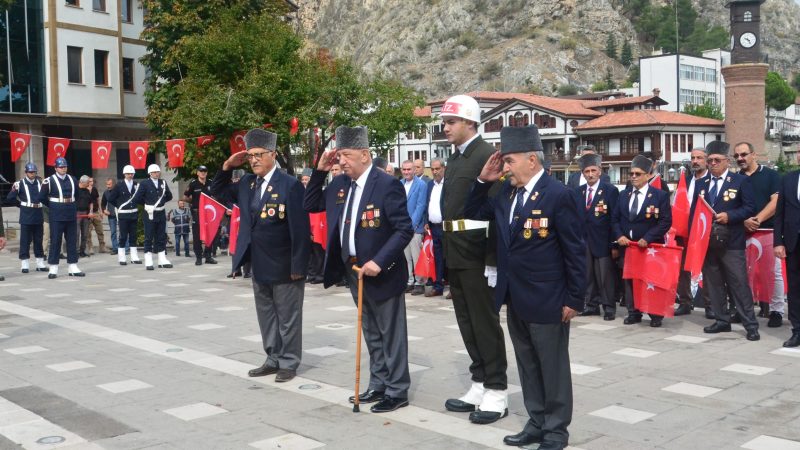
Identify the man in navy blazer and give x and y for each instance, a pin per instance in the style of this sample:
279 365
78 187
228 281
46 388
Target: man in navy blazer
31 219
785 237
541 276
599 199
368 227
416 193
731 197
274 236
642 217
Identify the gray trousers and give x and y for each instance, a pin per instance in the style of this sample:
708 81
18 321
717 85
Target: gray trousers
411 252
386 335
542 352
601 289
279 308
729 268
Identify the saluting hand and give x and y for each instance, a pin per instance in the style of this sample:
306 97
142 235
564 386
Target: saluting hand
493 169
327 160
235 160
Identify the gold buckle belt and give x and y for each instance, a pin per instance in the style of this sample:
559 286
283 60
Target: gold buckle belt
463 225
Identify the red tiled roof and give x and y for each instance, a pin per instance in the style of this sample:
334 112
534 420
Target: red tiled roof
422 112
625 101
646 117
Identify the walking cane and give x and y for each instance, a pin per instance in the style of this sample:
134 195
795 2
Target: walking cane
358 336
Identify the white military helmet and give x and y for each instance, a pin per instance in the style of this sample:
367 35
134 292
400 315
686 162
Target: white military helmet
462 106
153 168
128 169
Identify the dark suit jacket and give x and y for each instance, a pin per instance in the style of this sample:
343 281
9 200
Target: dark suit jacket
787 213
278 244
740 205
119 195
382 243
648 226
575 178
60 212
28 215
149 194
547 271
597 219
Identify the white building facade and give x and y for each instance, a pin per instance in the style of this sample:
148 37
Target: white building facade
682 80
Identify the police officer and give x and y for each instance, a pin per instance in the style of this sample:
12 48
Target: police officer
192 194
121 197
31 221
154 193
58 192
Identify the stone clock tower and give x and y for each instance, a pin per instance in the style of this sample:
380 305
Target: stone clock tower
745 77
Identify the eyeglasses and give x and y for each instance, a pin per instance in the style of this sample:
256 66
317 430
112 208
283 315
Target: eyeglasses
715 160
740 155
636 174
258 156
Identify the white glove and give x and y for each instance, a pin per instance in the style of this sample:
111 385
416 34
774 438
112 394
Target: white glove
15 186
149 209
491 275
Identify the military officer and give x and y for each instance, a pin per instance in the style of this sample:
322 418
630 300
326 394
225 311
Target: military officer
31 219
121 197
58 193
154 193
541 276
599 198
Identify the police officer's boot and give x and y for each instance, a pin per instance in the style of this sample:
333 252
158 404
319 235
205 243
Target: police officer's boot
135 256
163 262
25 266
148 261
53 271
40 265
121 256
75 272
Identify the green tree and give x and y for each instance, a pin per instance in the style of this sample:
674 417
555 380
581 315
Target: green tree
633 73
611 46
567 89
707 109
796 81
778 94
6 4
626 55
609 80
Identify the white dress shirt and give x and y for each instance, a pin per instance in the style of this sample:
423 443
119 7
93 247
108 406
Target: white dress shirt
718 182
528 191
594 192
360 183
435 205
642 195
692 184
464 146
267 177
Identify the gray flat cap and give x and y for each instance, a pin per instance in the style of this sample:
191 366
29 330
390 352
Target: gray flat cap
258 138
717 148
520 140
589 161
352 137
306 172
642 162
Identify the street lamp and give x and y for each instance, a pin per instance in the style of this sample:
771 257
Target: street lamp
671 173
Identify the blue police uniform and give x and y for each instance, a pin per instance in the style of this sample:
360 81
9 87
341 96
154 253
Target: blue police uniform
121 197
31 219
155 193
59 195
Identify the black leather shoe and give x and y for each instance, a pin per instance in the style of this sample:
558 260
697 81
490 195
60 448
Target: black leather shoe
717 327
150 268
551 445
631 319
83 255
77 274
284 375
521 438
247 275
263 370
609 316
683 310
775 319
409 289
763 309
165 266
710 314
25 270
589 311
2 278
486 417
42 269
138 261
198 262
51 276
752 335
656 323
389 404
123 263
456 405
369 396
793 341
211 260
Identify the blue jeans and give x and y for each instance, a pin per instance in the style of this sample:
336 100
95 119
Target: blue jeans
178 243
112 225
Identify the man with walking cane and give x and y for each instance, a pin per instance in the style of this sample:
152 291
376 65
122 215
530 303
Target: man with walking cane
368 226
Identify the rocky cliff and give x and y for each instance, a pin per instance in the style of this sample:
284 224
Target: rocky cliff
440 47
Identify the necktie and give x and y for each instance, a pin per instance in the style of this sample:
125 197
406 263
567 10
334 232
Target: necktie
634 207
712 194
256 203
589 199
517 209
348 213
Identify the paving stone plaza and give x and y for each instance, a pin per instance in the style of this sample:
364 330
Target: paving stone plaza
131 359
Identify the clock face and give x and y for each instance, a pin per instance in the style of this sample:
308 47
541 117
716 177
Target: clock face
747 40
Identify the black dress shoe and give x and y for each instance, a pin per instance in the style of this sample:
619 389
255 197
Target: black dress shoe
150 268
123 263
793 341
211 260
2 278
77 274
83 255
198 262
589 311
456 405
138 261
552 445
656 323
609 316
710 314
284 375
763 310
389 404
521 438
262 371
51 276
165 266
775 319
486 417
631 319
752 335
683 310
25 270
718 327
247 275
368 396
42 269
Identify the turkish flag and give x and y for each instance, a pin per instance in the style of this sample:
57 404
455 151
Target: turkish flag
237 141
56 148
234 233
649 298
680 209
101 150
175 149
19 143
202 141
657 265
209 216
138 153
426 264
319 228
656 182
760 265
699 235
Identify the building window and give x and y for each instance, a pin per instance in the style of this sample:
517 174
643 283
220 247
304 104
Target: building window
748 16
624 175
127 74
629 146
74 72
127 14
711 75
73 2
101 68
99 5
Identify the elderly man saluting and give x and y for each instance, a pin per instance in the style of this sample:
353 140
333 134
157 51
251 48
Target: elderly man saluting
541 276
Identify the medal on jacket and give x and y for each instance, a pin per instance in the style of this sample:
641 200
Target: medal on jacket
264 212
269 188
281 211
364 219
543 227
528 225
